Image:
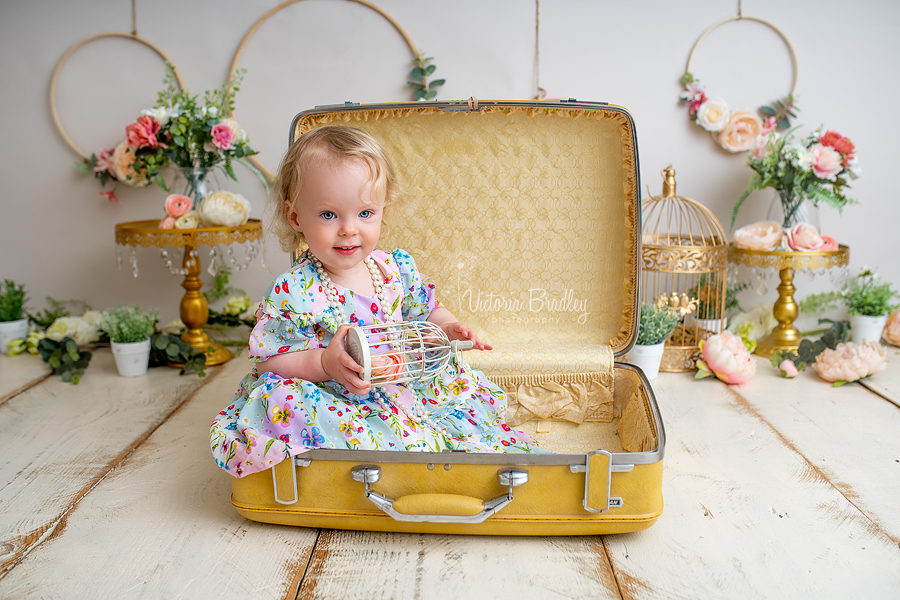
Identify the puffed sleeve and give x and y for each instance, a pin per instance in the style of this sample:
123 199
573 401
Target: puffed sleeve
419 298
285 319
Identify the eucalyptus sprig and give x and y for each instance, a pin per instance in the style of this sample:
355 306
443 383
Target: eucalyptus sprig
166 349
65 358
418 78
809 350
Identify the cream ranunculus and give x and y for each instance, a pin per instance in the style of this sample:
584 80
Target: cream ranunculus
189 221
741 131
850 362
713 115
122 165
225 209
763 235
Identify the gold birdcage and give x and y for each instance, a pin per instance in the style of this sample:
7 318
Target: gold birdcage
684 253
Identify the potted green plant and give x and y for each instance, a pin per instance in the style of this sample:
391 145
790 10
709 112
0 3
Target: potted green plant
710 315
657 323
868 300
13 320
129 332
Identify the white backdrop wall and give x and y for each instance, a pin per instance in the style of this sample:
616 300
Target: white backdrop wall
57 232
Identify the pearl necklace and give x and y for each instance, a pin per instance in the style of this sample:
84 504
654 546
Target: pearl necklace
334 301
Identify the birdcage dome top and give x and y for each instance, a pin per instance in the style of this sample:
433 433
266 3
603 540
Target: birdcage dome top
670 220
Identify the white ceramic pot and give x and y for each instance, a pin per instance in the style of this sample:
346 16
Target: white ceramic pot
10 330
132 359
712 325
866 328
647 358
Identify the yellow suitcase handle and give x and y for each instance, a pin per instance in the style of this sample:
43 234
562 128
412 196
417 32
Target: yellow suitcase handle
438 508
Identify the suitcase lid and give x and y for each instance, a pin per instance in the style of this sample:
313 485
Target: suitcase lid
525 214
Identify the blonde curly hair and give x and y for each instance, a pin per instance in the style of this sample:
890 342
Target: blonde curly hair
336 143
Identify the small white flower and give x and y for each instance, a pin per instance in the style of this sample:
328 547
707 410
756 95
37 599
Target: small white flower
212 111
160 114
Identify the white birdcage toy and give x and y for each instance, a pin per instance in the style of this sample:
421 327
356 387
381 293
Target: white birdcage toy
684 253
401 352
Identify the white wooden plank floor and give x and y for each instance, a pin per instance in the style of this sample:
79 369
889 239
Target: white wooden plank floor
773 489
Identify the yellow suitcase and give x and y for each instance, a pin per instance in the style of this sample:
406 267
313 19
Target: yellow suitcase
527 217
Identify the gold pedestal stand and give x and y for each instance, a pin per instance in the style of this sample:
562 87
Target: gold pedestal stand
785 336
194 310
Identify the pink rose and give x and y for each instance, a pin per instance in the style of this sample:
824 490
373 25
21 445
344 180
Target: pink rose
892 328
224 133
741 131
725 356
387 367
142 133
764 235
167 223
804 237
177 205
825 161
850 362
788 368
829 244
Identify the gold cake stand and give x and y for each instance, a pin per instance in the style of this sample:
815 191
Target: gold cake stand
785 336
194 310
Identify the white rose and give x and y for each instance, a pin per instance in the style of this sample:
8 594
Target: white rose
191 220
74 327
159 114
225 209
713 115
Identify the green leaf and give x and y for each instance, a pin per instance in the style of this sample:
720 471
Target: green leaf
268 445
784 123
416 84
160 181
838 383
436 83
179 141
161 342
430 69
417 73
430 94
687 78
702 374
767 110
84 167
419 94
66 376
229 170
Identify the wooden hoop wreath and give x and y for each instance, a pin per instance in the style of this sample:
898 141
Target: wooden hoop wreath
266 16
78 45
790 46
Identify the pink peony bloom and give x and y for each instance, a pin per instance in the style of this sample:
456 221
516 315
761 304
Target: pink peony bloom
829 244
825 161
167 223
850 362
111 196
725 356
387 367
142 133
177 205
764 235
892 328
804 237
224 133
788 368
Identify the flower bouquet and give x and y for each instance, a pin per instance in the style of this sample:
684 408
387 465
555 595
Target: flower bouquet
180 132
817 168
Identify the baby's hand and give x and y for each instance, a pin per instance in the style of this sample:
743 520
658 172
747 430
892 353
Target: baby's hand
341 367
458 331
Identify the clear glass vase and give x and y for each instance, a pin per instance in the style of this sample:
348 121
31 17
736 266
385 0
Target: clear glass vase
789 210
196 184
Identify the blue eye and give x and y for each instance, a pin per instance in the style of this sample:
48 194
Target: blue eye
328 215
366 214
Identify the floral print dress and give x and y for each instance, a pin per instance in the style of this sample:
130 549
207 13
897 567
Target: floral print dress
272 418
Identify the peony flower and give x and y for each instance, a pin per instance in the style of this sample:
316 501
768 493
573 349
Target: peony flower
725 356
829 244
167 223
840 144
825 161
388 367
713 115
741 131
788 368
763 235
804 237
122 166
81 329
224 209
142 133
177 205
111 196
189 221
892 328
850 362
